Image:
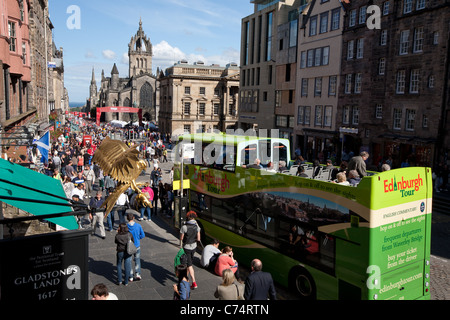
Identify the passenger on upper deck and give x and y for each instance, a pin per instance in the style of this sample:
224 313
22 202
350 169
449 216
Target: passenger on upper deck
353 178
282 166
270 167
342 179
299 160
301 172
358 163
316 166
255 165
329 165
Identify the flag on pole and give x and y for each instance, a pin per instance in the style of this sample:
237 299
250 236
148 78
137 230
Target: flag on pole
43 145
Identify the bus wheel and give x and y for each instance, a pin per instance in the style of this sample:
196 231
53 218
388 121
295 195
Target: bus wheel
302 283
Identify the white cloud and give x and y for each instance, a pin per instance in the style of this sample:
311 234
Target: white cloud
227 56
109 54
125 59
165 55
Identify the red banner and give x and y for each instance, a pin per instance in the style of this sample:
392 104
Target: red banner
119 109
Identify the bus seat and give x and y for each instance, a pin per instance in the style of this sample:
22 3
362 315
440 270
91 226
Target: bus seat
319 169
309 171
324 175
293 170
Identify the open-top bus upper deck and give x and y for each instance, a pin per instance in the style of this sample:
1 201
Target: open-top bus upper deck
371 241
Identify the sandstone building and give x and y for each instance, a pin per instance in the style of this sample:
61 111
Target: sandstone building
198 98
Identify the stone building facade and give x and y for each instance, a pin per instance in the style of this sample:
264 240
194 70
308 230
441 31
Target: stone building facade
198 98
318 78
259 43
394 89
286 73
41 52
58 95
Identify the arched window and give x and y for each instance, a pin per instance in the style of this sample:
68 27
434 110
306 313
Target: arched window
146 99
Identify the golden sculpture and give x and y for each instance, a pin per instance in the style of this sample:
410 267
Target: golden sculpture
122 164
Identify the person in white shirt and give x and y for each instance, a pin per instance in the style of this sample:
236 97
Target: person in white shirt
155 163
90 180
122 201
101 292
208 253
342 179
78 191
270 168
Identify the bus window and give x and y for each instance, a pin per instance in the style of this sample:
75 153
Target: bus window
225 213
306 245
249 154
227 157
279 152
219 156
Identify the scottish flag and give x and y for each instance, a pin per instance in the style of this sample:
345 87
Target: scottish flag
43 145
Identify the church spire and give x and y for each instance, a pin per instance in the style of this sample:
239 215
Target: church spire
114 70
93 76
140 32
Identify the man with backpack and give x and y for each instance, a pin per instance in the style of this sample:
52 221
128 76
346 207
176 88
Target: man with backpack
189 235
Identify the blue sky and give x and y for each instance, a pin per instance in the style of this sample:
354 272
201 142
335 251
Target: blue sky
206 30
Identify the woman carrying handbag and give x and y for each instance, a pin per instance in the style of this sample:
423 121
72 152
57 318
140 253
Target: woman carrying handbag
121 239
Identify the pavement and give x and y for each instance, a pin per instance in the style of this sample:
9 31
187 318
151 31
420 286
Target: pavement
440 250
158 249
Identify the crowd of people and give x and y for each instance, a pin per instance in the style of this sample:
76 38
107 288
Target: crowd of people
70 161
257 286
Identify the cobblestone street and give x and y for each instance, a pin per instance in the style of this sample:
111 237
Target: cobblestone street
440 257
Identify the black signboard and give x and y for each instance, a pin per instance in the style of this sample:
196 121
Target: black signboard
45 267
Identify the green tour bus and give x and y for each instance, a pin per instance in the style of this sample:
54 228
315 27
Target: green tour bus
321 239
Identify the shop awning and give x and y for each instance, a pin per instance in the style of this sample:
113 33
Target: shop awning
46 197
